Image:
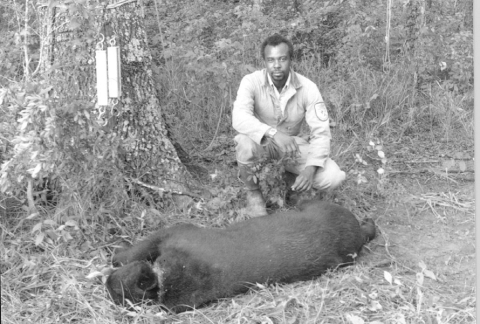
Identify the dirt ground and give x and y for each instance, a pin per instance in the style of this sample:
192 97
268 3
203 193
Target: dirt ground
425 213
431 224
425 217
427 220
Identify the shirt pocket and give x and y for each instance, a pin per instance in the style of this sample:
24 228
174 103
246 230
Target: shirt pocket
296 111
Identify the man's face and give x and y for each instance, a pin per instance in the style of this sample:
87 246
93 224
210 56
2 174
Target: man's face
277 62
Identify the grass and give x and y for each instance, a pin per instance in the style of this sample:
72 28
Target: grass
54 272
61 279
50 282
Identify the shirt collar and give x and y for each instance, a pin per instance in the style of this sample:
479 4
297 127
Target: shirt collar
287 84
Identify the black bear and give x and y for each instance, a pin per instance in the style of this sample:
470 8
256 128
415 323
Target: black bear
193 266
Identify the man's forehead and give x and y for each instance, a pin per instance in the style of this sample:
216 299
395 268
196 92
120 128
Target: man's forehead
277 50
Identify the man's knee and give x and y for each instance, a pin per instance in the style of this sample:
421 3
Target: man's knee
247 151
337 180
330 177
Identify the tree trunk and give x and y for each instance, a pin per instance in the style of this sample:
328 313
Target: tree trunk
146 155
412 25
468 9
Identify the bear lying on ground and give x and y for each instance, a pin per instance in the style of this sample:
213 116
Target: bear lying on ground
193 266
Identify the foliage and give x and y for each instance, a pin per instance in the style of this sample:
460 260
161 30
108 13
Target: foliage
56 138
337 44
202 50
375 154
33 141
270 176
15 40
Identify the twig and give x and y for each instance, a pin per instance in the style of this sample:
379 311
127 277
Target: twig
416 161
383 263
31 201
427 170
25 44
160 30
119 4
441 199
163 190
216 131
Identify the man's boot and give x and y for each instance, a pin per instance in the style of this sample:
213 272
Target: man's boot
255 201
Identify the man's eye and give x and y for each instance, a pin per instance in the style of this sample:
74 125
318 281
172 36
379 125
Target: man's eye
283 59
269 60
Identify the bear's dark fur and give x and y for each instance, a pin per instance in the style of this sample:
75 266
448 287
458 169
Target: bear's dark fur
192 265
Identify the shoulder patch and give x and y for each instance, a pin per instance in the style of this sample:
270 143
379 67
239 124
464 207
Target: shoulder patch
321 111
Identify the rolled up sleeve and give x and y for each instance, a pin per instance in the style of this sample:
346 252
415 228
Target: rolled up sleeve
244 120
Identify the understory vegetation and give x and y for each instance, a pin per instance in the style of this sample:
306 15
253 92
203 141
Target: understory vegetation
397 79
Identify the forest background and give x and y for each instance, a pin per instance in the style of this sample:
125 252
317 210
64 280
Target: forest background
397 78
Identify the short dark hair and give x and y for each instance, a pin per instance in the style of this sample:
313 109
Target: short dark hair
275 40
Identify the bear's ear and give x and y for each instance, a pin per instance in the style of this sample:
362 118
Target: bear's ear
119 253
147 280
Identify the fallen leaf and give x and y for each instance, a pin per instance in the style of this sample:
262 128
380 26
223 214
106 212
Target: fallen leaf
266 320
388 276
260 286
71 222
422 265
429 274
375 306
37 227
33 215
399 318
94 274
39 238
35 171
354 319
448 164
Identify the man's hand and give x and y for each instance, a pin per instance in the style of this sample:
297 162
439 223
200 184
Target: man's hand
304 180
286 144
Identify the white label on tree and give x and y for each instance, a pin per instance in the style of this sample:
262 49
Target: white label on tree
102 83
114 75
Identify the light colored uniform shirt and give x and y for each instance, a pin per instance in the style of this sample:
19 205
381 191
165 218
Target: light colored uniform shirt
280 96
257 108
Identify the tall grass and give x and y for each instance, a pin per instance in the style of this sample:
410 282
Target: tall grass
47 280
194 105
373 103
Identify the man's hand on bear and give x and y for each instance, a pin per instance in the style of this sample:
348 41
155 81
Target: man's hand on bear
304 180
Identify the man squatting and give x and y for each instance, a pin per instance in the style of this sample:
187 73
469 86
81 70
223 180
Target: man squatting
268 114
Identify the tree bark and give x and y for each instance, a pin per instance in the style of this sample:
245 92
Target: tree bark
412 25
71 36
